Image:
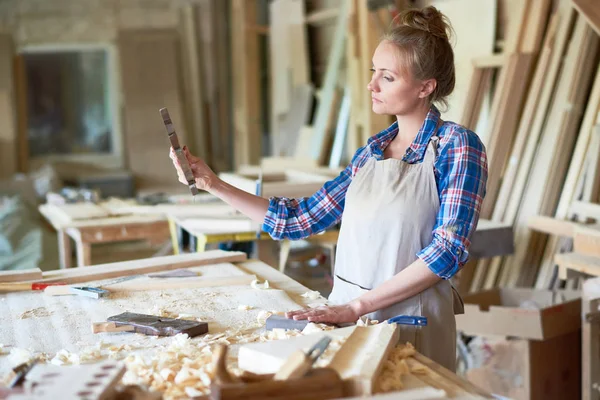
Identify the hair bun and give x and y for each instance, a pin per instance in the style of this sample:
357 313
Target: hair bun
428 19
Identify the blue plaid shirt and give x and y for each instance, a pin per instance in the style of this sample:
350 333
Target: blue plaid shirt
461 175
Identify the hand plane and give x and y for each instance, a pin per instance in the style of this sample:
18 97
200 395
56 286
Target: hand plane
185 166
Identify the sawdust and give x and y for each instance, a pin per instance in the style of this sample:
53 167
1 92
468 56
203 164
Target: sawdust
38 312
396 366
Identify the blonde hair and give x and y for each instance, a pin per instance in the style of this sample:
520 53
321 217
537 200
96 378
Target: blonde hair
423 38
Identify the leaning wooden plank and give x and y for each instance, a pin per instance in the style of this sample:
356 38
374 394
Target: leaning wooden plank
579 262
360 359
143 266
579 81
326 101
590 11
19 275
558 136
534 100
559 45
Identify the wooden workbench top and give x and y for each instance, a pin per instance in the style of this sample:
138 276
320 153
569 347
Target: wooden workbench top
59 327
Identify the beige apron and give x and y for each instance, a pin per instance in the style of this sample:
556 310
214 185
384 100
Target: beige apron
389 214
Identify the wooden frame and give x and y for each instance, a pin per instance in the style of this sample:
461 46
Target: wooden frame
116 158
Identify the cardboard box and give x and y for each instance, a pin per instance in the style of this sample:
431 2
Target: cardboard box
522 369
524 344
523 313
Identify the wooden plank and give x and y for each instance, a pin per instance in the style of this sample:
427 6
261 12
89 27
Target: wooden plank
367 41
591 189
554 226
586 241
155 53
194 84
19 275
560 132
8 122
142 266
223 71
450 377
326 102
360 359
590 11
247 119
566 17
505 124
579 262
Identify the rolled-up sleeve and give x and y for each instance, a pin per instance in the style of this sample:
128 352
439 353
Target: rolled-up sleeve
299 218
462 178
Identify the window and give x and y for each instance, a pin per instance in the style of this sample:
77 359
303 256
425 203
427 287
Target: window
69 96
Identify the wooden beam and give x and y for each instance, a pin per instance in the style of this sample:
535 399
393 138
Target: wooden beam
246 83
8 129
142 266
20 275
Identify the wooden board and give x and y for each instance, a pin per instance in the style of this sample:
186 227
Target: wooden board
19 275
150 80
142 266
360 359
8 122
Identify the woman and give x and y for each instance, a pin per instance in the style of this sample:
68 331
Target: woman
408 202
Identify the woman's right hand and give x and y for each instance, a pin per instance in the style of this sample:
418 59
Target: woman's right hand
204 176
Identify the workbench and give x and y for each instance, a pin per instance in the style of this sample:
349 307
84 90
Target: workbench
120 221
85 233
59 326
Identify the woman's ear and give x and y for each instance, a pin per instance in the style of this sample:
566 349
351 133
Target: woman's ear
427 88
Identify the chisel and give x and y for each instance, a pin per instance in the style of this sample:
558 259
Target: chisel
183 163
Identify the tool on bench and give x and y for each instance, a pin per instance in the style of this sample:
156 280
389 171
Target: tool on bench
93 291
408 320
150 325
18 373
183 163
27 286
281 322
299 363
313 384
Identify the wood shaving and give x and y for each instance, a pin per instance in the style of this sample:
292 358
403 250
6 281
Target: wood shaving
396 366
255 284
38 312
311 295
244 307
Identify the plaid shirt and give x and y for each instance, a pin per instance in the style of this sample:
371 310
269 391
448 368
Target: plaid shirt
460 172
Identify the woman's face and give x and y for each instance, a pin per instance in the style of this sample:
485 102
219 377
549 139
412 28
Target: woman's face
395 92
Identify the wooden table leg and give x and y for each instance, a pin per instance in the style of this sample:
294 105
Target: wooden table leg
84 254
64 249
284 253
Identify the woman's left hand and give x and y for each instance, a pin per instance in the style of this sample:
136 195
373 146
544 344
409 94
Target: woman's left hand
326 314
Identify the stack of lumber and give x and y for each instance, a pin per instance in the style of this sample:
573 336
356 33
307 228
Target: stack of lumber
544 139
